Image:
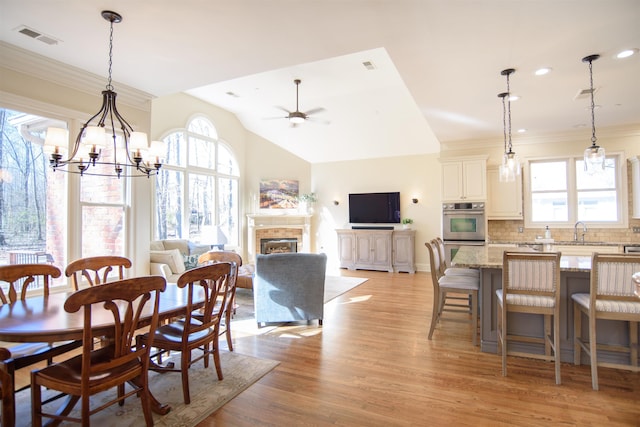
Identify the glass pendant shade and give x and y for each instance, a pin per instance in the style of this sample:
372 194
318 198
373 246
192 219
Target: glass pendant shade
594 159
510 167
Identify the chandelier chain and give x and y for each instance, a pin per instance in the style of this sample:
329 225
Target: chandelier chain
109 84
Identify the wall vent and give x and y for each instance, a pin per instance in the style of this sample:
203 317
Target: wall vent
30 32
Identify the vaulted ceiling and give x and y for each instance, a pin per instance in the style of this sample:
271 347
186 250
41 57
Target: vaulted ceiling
433 71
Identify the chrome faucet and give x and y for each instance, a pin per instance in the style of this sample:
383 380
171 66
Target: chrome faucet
575 231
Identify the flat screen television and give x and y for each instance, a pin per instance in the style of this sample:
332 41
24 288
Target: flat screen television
374 208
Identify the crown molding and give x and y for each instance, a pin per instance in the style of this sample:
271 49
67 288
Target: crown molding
41 67
632 130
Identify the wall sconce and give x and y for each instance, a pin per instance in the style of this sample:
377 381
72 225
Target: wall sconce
414 200
336 202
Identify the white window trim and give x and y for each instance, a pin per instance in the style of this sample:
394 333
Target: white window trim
622 193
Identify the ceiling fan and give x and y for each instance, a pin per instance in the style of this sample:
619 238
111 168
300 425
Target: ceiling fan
296 117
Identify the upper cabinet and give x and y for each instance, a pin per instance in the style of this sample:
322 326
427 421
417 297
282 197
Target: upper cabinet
505 198
464 179
635 185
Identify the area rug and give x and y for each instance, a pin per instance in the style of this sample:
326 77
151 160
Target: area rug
207 394
334 286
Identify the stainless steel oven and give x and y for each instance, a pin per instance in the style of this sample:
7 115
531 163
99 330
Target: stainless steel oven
463 224
463 221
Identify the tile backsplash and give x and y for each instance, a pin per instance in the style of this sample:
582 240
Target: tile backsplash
507 231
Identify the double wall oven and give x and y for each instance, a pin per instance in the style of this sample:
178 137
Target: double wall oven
463 224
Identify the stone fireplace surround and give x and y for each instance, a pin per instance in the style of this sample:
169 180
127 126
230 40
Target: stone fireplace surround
277 226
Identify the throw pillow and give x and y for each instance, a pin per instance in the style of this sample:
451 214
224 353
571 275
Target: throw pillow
190 261
173 258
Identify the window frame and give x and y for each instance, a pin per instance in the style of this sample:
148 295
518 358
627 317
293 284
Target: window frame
572 193
188 168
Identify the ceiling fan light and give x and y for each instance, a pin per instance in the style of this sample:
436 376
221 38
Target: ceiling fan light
296 119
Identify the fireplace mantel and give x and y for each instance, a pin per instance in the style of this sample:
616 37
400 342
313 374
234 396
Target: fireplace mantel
257 222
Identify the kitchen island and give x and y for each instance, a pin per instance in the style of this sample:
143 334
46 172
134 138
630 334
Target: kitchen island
574 278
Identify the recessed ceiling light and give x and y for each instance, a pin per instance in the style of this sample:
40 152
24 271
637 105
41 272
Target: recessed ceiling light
542 71
514 97
626 53
522 130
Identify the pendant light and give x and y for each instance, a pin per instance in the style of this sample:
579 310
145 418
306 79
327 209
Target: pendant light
594 155
135 157
510 167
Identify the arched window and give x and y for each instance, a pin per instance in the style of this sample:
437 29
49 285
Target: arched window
197 188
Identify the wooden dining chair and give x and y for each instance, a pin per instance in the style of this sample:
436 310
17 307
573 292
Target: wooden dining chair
96 269
611 297
21 277
123 303
454 293
7 412
530 284
232 257
210 288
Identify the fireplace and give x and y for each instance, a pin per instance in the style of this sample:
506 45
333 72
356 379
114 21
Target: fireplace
277 227
278 245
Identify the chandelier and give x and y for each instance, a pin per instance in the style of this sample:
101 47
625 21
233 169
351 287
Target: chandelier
131 157
510 167
593 155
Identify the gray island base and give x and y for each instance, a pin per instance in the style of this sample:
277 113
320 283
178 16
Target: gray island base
575 274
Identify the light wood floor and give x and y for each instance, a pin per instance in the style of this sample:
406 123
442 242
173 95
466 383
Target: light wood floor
371 365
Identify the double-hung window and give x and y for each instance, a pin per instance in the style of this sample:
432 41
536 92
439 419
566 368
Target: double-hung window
197 190
562 193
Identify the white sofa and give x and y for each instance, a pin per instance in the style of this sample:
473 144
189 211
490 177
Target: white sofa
172 257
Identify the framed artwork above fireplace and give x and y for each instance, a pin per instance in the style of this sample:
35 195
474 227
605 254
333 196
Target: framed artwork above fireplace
279 194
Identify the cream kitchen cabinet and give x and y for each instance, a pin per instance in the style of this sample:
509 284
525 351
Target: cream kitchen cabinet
504 199
383 250
464 179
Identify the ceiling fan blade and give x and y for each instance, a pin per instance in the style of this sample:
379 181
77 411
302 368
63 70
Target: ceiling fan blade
316 120
276 117
315 110
283 109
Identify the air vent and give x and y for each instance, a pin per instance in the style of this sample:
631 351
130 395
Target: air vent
584 94
369 65
30 32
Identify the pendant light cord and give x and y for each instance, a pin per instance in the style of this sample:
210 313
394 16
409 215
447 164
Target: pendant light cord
593 106
504 120
509 109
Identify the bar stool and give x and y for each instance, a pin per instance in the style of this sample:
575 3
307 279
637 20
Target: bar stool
611 296
530 284
452 293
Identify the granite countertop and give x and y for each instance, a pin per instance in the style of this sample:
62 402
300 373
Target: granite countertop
491 257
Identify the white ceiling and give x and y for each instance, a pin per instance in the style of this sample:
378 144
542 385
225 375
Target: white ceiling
437 62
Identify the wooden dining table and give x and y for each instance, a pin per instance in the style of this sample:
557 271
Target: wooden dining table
44 319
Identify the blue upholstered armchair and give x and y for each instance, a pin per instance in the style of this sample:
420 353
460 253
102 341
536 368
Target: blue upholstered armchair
289 287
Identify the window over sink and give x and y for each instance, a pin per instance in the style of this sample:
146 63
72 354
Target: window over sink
560 193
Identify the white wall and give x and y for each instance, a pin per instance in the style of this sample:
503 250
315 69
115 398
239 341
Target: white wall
412 176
